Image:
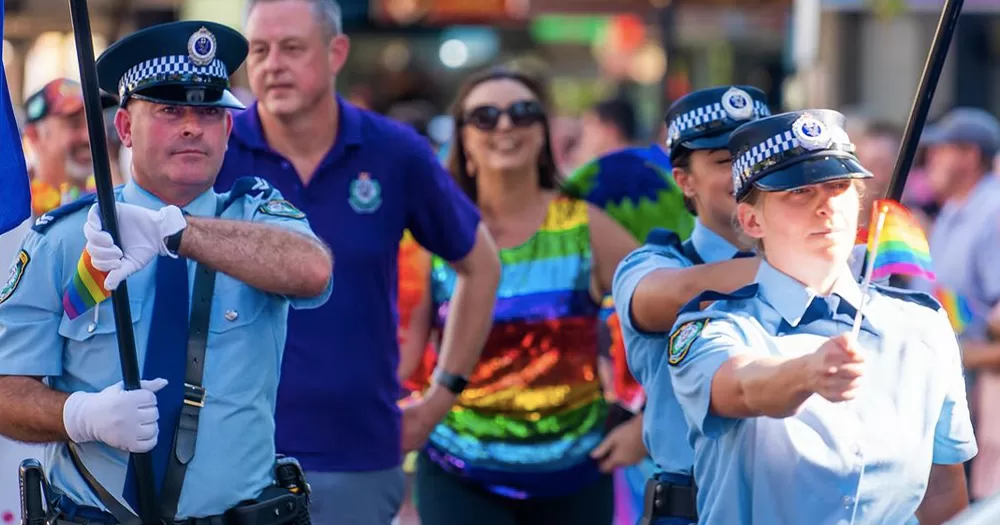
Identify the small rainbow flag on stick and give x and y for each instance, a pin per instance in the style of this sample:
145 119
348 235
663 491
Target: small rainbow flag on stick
902 247
87 288
958 309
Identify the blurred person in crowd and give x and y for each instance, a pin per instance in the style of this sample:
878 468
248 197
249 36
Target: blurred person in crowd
530 441
877 147
362 179
56 133
963 243
607 127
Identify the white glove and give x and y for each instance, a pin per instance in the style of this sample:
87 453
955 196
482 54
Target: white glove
124 419
143 233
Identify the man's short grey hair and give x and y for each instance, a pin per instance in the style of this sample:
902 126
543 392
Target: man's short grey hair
327 14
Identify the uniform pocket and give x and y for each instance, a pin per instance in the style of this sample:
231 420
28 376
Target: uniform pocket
86 326
234 305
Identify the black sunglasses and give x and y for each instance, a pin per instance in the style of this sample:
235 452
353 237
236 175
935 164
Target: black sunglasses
522 114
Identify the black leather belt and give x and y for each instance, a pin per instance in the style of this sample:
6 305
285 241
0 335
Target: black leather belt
666 498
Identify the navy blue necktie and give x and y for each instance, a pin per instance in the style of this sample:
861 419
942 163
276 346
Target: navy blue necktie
166 357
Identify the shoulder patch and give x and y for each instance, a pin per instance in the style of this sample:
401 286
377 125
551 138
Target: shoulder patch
694 305
47 219
663 237
248 186
14 277
281 208
912 296
682 339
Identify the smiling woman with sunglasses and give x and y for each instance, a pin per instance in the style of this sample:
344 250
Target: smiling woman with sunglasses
526 442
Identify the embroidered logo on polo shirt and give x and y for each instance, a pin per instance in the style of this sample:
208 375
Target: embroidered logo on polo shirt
366 194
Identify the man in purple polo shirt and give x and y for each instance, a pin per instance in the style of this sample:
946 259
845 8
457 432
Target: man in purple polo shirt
362 179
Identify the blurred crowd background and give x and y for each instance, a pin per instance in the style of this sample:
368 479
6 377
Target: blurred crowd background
613 67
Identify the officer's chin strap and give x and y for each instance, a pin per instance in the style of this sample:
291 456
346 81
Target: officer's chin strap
194 399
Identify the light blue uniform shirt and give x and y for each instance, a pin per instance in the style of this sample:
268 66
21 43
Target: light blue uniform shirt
234 455
868 459
664 431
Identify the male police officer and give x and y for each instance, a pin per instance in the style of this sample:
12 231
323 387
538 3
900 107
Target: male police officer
653 282
212 446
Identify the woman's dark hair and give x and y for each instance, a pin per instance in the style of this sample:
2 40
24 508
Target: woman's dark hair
548 173
682 159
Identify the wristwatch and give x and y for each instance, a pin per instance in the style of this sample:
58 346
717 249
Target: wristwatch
173 242
454 383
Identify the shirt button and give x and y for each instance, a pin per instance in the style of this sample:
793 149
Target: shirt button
232 315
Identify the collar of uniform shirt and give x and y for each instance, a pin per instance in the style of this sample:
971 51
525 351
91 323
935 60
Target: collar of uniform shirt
710 245
790 298
202 206
249 131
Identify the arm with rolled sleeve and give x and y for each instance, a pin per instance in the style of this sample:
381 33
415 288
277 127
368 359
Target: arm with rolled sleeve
274 251
954 441
630 272
31 347
302 227
445 222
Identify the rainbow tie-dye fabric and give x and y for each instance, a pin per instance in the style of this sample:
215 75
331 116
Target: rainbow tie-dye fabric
533 409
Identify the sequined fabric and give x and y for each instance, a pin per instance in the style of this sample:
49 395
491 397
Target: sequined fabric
533 409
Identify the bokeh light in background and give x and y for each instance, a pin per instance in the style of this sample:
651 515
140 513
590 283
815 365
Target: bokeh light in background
468 46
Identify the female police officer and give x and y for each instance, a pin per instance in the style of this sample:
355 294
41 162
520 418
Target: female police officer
764 373
653 282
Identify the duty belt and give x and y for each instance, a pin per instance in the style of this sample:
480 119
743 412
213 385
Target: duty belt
670 496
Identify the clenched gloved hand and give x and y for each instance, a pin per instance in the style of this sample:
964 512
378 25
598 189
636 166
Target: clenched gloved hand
124 419
143 233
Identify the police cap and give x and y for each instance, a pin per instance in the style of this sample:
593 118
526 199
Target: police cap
703 119
791 150
185 63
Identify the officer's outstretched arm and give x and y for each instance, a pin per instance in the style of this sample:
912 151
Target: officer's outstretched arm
270 258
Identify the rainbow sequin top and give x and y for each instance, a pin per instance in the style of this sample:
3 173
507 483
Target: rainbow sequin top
533 410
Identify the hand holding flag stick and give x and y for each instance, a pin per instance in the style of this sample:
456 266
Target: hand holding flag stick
148 511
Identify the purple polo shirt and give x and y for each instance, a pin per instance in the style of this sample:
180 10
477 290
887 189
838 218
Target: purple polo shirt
336 408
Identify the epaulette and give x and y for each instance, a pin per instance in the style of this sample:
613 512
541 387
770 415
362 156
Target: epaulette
912 296
694 305
663 237
47 219
248 186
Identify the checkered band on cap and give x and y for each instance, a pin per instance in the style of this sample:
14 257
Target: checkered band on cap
163 68
704 115
776 149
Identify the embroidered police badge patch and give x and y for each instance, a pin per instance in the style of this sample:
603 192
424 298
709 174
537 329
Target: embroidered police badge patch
281 208
14 277
682 339
366 194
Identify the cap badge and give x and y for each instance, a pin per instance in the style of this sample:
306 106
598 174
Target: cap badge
201 47
811 133
738 104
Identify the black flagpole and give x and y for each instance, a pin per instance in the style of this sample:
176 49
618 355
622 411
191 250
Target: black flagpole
925 93
105 196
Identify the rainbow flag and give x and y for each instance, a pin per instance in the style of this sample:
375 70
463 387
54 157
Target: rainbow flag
956 306
87 288
902 246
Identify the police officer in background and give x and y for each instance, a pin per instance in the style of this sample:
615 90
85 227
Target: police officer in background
653 282
199 264
794 418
